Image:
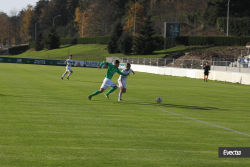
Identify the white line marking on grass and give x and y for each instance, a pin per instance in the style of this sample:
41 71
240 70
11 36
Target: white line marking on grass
208 123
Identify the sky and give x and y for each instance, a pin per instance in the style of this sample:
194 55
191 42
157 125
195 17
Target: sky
7 5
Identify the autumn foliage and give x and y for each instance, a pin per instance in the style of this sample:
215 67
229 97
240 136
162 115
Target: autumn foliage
136 14
4 28
27 27
83 22
199 16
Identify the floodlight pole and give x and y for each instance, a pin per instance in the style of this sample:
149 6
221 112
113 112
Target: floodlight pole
103 27
8 39
83 20
54 19
227 16
69 42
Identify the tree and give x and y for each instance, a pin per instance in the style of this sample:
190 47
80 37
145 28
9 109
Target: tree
71 8
119 5
52 39
83 26
237 9
140 16
16 23
39 42
126 44
54 8
99 13
144 43
28 27
47 14
114 38
21 37
38 10
192 9
41 4
4 26
13 19
61 9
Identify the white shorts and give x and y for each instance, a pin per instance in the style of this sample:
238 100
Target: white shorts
68 69
107 83
123 82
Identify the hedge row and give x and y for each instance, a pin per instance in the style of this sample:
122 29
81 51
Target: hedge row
160 40
32 44
185 40
18 49
206 40
87 40
213 40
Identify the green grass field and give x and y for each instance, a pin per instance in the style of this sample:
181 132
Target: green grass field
95 52
46 121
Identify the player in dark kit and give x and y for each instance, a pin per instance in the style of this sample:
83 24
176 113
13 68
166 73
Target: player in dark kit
206 71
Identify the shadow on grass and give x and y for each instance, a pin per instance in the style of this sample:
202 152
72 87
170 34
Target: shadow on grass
183 50
162 48
85 81
175 106
166 52
17 52
8 95
66 46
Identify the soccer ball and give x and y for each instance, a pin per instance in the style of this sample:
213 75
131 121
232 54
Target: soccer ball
158 99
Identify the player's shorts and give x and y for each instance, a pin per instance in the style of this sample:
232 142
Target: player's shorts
107 83
206 73
123 82
68 69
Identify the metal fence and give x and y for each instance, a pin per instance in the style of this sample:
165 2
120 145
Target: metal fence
179 63
188 63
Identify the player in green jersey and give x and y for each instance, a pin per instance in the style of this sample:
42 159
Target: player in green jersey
112 69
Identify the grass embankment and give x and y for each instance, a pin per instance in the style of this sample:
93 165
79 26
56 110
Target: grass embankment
96 52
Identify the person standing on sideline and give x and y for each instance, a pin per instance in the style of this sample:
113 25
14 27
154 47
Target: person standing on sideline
69 62
122 80
112 69
206 71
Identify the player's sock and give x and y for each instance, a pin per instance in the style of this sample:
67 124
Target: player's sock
63 74
110 91
69 74
96 93
120 95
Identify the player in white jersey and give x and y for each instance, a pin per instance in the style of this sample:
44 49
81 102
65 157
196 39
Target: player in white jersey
123 79
69 62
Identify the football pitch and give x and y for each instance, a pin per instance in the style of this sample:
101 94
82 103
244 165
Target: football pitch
46 121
